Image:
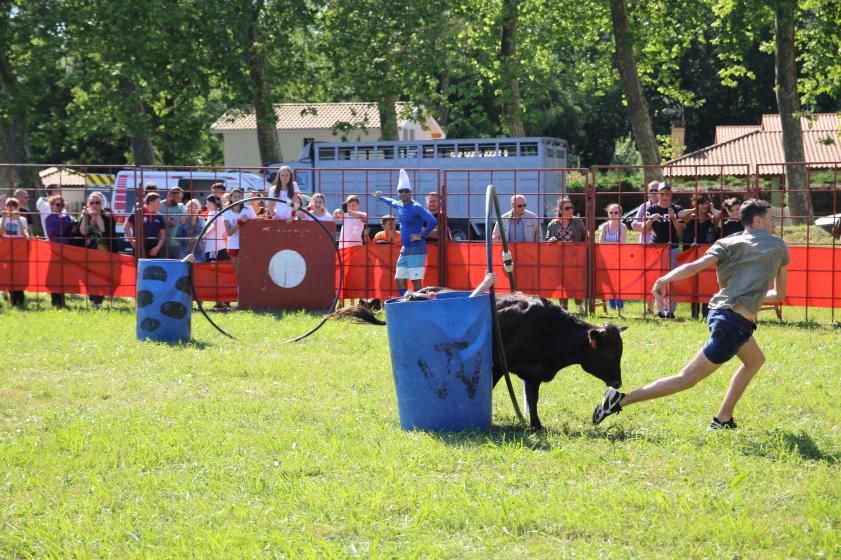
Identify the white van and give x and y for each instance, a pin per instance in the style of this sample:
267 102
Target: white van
196 184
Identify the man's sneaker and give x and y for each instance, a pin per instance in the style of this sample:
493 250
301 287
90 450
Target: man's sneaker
717 424
610 405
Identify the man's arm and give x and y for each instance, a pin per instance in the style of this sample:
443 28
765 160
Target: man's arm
687 270
429 220
390 201
778 293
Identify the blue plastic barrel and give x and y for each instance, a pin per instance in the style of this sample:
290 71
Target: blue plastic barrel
164 302
441 361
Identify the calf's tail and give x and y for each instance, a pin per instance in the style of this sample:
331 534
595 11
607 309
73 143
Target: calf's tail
356 314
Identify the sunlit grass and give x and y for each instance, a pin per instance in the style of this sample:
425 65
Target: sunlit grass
227 449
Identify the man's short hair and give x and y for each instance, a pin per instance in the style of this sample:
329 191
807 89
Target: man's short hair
752 208
151 197
351 198
151 186
219 185
53 187
432 193
387 218
21 192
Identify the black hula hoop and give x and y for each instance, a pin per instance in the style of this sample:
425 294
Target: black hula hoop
299 209
490 196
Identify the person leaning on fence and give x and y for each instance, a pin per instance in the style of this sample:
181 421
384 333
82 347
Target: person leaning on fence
59 228
235 219
317 209
190 226
415 224
662 220
614 231
567 228
285 189
172 210
98 228
433 204
747 266
520 224
638 225
23 209
353 222
154 228
43 204
389 233
699 228
216 238
13 225
731 223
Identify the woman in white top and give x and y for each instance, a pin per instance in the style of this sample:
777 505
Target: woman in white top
614 231
234 220
285 189
216 238
317 209
353 222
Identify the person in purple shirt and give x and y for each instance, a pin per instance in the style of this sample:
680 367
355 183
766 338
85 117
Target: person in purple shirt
59 228
415 224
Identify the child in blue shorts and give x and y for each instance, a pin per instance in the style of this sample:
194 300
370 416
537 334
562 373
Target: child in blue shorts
747 264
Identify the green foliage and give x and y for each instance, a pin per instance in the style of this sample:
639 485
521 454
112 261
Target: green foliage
218 449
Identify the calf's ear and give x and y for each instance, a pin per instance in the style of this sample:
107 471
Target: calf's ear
595 336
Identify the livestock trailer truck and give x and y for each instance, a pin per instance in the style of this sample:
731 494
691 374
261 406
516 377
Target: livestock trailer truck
462 169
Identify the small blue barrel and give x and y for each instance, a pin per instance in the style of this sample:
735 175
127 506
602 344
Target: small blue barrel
164 302
441 361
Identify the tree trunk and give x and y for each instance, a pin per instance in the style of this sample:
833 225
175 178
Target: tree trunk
14 133
142 148
267 140
512 123
788 104
388 117
631 87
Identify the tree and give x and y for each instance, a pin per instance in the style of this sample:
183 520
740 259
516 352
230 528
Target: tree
788 102
510 94
640 119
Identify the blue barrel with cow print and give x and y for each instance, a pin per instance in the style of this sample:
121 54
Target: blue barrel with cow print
441 361
164 302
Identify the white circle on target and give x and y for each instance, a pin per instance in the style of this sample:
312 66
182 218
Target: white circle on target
287 268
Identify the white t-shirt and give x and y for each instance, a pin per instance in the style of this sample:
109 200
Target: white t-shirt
231 217
216 240
43 206
351 232
14 228
326 217
282 210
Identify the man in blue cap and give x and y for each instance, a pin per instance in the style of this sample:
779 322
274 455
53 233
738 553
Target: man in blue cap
415 224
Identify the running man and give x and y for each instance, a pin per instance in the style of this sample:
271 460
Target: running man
415 224
746 265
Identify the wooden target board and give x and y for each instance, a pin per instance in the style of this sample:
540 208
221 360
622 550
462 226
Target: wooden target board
286 265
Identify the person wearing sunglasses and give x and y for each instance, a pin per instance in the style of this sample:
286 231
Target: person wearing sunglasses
59 229
567 228
99 229
614 231
519 223
415 224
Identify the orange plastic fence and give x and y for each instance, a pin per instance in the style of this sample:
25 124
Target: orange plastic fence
550 270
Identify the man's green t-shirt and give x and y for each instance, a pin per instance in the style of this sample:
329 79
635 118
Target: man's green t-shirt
172 217
748 263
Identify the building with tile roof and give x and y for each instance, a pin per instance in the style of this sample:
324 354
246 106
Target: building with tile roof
759 148
301 123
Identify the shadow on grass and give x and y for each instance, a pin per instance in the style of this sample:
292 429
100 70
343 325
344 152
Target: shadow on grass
541 440
779 443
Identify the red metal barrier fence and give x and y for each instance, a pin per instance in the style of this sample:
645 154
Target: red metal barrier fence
583 268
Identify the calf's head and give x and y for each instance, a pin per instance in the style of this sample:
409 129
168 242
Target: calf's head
603 355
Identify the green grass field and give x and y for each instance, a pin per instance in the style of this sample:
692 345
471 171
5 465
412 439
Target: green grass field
251 449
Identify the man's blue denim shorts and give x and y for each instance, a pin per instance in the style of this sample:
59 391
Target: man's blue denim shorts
728 333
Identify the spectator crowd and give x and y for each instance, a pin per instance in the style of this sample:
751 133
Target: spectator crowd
170 225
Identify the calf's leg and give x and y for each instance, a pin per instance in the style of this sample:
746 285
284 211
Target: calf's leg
532 391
